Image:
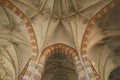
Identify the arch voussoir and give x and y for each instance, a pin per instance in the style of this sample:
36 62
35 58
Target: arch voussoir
67 50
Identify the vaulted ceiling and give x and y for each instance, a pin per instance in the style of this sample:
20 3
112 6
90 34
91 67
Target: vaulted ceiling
60 21
55 21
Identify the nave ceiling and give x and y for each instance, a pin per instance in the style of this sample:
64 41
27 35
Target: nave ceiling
57 21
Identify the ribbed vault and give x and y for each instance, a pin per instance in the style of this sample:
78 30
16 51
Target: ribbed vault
104 43
28 28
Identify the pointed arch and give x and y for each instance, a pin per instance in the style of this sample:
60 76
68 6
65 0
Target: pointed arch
30 30
89 29
67 50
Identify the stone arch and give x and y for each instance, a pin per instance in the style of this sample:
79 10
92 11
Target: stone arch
30 30
56 48
90 26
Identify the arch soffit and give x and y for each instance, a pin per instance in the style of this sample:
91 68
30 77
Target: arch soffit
59 47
